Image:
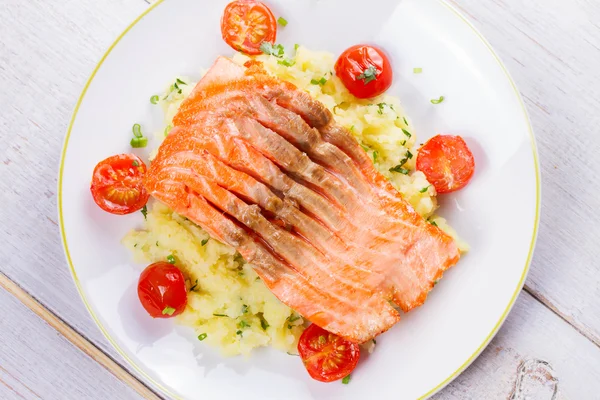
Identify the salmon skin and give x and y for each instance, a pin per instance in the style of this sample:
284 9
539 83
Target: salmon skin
263 167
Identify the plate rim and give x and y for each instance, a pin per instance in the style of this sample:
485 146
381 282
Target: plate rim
427 394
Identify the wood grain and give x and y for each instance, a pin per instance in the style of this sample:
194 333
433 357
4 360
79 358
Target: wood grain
37 363
77 340
551 47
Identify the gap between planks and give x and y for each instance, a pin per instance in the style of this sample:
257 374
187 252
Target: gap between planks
548 304
77 339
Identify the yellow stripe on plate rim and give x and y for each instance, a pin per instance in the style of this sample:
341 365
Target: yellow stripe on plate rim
428 393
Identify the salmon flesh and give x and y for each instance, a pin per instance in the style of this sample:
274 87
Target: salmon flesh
263 167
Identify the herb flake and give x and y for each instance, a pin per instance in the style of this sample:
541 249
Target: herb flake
368 75
168 310
438 101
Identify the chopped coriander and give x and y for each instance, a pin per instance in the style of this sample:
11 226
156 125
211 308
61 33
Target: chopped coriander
375 156
294 318
168 310
264 324
137 131
244 309
137 142
273 50
437 101
239 333
322 339
417 70
171 259
243 324
154 99
219 315
202 336
282 21
399 169
424 189
346 380
194 287
407 133
180 82
135 163
144 211
368 75
405 121
203 242
287 62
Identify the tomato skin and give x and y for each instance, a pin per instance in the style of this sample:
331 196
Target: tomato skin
326 356
355 61
162 285
447 163
117 184
246 24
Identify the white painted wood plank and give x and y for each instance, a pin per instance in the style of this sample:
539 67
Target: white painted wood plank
552 49
36 362
47 51
532 332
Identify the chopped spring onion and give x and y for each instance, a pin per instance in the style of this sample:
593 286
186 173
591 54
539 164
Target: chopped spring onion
154 99
433 223
239 333
346 380
219 315
168 310
202 336
417 70
171 259
203 242
168 129
194 287
180 82
375 156
135 163
137 143
264 324
282 21
405 121
145 214
243 324
244 309
321 81
407 133
287 62
399 169
137 131
437 101
424 189
296 47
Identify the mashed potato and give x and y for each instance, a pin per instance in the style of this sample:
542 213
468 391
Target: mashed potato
228 304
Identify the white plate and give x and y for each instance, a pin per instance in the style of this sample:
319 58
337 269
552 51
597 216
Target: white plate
497 213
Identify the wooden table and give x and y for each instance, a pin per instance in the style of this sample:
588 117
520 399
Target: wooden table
551 340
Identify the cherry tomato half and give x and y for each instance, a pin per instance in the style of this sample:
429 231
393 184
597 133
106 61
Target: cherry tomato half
162 291
447 163
365 71
246 24
117 184
327 357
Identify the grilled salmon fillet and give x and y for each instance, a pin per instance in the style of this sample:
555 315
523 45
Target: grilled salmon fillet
263 167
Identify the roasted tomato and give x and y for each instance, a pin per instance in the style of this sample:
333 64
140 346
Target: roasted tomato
162 291
246 24
327 357
117 184
365 71
447 163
